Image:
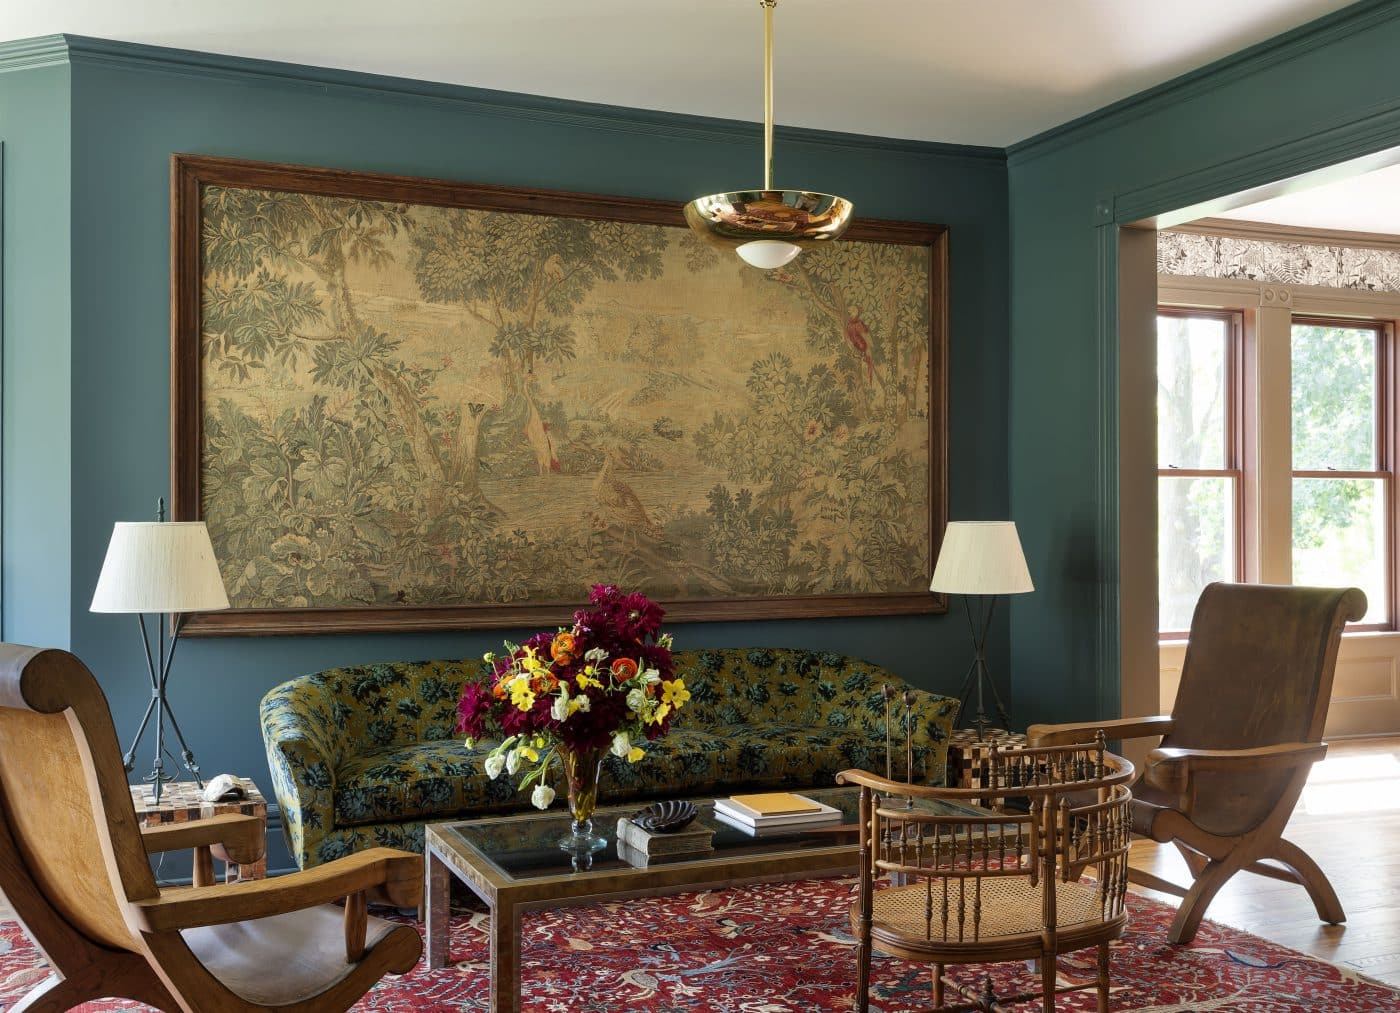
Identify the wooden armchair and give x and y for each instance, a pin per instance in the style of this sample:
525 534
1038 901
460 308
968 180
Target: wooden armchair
1238 745
73 864
962 889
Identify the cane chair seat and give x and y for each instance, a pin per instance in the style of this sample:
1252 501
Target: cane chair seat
1011 906
282 959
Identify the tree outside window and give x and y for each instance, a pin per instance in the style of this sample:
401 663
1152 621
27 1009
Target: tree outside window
1197 458
1342 488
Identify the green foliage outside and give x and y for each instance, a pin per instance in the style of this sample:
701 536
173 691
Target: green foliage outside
1336 538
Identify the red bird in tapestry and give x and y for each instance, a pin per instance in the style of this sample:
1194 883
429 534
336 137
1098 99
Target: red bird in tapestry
859 336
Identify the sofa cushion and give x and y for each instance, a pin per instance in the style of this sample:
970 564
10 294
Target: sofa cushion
414 780
437 779
694 762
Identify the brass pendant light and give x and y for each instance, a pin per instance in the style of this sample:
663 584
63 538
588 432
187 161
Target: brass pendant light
768 227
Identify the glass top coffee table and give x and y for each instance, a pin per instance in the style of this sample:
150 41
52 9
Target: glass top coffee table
514 863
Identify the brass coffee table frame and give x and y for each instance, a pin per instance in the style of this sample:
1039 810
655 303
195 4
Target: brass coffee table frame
767 860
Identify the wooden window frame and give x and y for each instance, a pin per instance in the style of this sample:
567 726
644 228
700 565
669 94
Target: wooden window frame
1387 440
1236 459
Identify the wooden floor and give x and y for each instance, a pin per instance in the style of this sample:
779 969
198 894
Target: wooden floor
1349 822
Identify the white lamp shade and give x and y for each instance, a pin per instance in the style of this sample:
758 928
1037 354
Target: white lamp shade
160 566
981 557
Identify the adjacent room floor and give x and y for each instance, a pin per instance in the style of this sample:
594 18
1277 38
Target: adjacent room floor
1349 821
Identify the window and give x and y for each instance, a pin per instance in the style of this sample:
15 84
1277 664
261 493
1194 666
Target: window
1198 458
1311 495
1343 467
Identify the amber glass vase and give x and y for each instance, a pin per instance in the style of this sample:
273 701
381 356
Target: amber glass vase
582 771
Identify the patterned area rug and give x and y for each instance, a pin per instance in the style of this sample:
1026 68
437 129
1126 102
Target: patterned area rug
787 948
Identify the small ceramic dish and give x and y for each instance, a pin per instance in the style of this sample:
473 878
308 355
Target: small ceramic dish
665 817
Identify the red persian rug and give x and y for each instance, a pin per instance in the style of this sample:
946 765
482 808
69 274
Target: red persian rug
787 948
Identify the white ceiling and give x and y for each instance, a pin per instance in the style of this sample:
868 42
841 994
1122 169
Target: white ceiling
969 71
1366 203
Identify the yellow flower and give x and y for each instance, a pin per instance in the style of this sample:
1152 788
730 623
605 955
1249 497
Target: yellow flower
634 754
521 695
584 681
660 714
675 693
529 753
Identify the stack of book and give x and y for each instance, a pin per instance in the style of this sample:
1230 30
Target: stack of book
775 813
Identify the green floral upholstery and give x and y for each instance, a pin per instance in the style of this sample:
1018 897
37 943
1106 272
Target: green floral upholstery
363 757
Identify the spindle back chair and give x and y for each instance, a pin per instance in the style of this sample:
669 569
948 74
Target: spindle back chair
965 889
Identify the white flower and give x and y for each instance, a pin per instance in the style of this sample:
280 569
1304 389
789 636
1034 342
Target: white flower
512 762
495 763
595 655
666 641
651 677
560 710
583 703
622 743
636 701
542 796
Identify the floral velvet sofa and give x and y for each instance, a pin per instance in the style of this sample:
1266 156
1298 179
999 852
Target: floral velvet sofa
365 756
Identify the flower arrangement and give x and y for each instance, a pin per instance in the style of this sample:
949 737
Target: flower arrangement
606 684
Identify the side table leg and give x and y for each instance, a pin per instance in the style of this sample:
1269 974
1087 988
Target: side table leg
437 895
505 960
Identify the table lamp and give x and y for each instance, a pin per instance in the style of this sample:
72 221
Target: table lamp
166 568
981 559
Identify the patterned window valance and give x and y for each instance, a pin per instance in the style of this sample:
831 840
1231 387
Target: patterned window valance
1190 255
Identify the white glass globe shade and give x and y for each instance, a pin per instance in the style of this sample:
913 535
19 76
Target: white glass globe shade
767 254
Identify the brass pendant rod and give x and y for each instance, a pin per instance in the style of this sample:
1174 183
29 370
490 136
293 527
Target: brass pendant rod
768 6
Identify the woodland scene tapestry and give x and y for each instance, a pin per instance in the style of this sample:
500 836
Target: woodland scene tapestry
411 396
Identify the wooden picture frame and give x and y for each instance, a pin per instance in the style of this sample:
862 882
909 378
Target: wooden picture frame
193 176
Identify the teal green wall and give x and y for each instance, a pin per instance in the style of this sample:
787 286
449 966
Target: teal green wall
1314 97
131 107
35 399
88 128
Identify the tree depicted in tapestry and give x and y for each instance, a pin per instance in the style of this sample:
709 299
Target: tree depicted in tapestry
407 404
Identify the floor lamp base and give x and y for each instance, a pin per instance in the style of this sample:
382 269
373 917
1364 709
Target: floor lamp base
977 674
159 708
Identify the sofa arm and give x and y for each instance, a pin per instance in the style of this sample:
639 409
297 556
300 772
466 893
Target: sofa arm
302 755
932 717
861 703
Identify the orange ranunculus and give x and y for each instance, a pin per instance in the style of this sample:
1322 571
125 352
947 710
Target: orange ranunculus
563 647
624 669
499 691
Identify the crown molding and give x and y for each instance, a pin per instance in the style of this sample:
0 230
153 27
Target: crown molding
1266 232
29 54
80 50
1297 42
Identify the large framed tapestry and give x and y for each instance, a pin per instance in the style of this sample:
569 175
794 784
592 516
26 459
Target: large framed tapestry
416 404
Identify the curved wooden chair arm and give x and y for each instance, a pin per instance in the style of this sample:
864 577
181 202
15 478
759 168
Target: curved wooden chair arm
875 781
1171 769
240 839
1083 731
397 876
903 788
